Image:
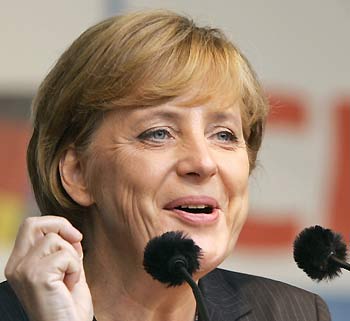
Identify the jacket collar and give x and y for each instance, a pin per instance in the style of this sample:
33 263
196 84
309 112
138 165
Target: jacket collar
224 301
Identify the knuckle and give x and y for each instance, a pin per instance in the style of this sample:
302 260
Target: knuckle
63 220
58 244
47 284
12 268
31 276
27 223
8 272
52 237
28 278
15 274
68 252
59 219
27 274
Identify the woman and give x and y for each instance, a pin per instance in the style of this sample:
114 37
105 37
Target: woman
146 124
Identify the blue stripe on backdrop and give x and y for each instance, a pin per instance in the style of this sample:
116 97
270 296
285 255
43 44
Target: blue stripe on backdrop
339 307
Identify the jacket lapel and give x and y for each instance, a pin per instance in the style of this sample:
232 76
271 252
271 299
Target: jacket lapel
224 302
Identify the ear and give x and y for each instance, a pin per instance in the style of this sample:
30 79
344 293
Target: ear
73 179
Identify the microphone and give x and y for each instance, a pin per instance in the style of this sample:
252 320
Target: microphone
172 258
320 253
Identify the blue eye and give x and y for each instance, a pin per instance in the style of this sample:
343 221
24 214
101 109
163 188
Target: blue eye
226 136
155 134
159 134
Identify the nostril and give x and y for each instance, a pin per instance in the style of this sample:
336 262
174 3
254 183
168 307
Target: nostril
196 167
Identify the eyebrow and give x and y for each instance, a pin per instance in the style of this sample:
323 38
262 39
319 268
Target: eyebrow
165 114
159 114
154 115
212 116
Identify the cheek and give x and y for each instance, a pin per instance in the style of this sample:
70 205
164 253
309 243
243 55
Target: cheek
235 179
109 171
124 183
235 174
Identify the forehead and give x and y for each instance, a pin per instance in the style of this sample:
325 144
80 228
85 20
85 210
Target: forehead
180 109
226 97
220 106
222 99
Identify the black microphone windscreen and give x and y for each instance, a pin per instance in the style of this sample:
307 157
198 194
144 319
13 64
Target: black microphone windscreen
312 250
161 252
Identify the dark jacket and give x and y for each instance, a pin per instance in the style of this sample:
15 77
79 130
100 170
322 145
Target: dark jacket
229 296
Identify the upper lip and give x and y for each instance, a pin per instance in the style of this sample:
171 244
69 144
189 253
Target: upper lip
192 200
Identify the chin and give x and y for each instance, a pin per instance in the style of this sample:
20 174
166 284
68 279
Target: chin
212 254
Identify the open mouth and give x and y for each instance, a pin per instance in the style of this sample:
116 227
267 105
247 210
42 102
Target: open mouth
196 209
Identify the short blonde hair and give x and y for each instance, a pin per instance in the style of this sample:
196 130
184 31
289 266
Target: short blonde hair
138 59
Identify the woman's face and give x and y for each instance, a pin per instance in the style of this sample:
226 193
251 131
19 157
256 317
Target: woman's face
171 168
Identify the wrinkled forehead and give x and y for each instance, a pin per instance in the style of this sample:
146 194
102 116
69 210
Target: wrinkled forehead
219 100
222 104
215 109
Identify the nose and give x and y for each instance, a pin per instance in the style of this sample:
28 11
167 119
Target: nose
196 161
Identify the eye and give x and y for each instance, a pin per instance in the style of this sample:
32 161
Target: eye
157 134
225 136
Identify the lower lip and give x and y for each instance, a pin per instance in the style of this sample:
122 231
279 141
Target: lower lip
197 219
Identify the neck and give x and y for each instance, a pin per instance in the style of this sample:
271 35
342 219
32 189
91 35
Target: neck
122 290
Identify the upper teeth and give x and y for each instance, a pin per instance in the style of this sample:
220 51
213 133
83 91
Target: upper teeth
193 206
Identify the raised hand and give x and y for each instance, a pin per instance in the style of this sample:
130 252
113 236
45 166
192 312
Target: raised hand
46 271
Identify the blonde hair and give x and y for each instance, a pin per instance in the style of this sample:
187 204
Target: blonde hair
137 59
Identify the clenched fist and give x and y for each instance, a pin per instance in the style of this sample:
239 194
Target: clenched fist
46 271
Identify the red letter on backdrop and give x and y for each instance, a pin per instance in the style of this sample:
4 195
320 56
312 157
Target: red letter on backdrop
339 217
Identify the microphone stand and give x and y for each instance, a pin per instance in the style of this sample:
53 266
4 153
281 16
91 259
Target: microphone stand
340 262
202 310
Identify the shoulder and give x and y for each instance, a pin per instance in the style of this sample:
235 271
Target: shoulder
10 307
269 297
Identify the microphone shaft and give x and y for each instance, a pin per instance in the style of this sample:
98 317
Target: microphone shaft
340 262
202 310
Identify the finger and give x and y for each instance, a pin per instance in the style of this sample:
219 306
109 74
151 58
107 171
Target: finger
50 244
35 228
20 267
62 267
62 227
79 249
72 278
